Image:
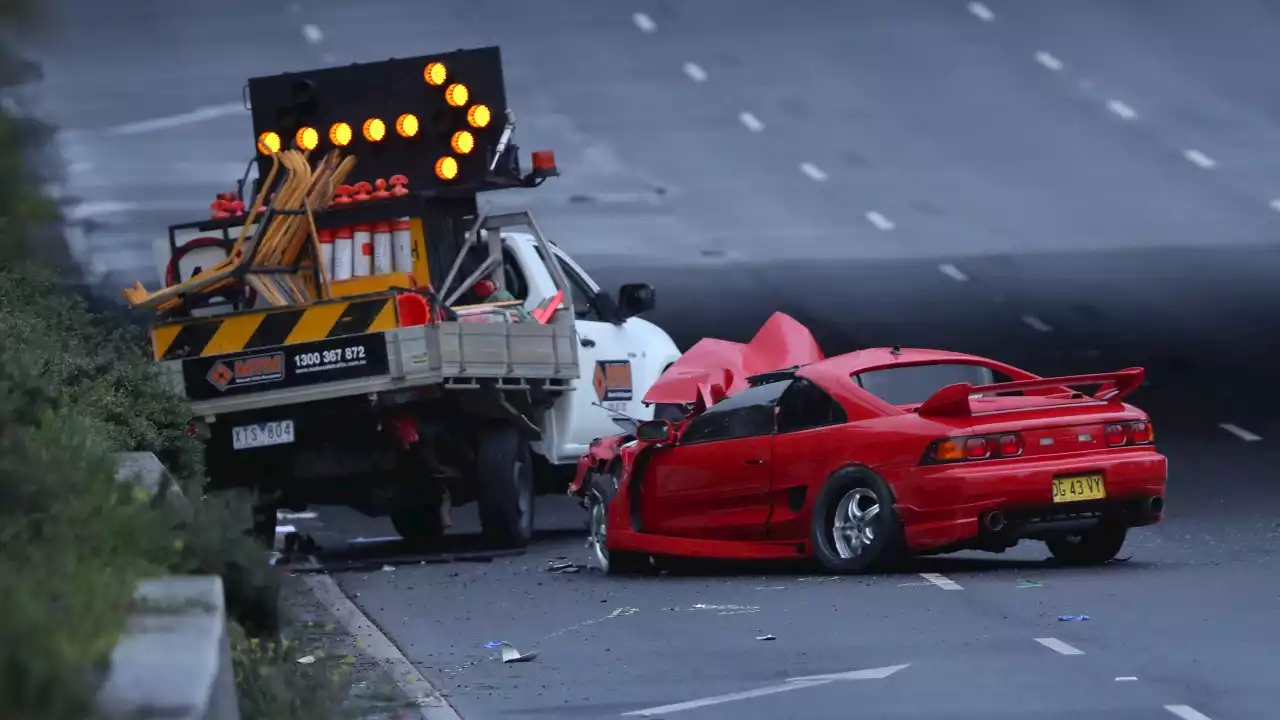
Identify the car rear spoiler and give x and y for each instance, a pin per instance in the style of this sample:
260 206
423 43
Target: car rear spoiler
953 400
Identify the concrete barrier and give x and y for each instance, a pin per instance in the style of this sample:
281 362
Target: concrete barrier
173 660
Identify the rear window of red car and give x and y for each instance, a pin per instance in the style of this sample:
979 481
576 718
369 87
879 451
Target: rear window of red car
913 384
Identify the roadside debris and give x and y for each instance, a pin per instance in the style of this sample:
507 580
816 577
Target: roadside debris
509 653
1024 584
306 659
561 566
767 637
1072 618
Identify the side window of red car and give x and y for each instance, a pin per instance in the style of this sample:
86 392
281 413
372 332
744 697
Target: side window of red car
747 413
805 406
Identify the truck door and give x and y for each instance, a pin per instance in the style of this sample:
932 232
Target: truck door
608 363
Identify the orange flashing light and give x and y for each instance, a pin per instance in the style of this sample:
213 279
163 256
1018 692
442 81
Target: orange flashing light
268 143
407 125
462 142
374 130
307 138
435 73
446 168
340 134
457 95
479 116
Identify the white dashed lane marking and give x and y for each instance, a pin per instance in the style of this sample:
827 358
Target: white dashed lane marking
881 222
1037 324
1275 204
1199 158
1240 432
644 22
751 122
1058 646
982 12
813 171
941 581
312 33
1121 109
1186 712
203 114
953 272
695 72
1048 61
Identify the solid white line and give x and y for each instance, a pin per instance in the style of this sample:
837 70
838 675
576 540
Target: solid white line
1275 204
731 697
1058 646
982 11
1240 432
431 704
1186 712
1037 324
312 33
880 221
1121 109
1048 61
953 272
644 22
212 112
751 121
695 72
1199 158
941 581
813 171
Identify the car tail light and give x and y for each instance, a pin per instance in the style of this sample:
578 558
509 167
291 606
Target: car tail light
1143 433
978 447
1010 445
1117 434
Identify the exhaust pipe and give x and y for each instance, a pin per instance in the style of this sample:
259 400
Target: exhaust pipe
994 521
1154 505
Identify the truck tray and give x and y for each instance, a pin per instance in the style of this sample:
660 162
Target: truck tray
456 354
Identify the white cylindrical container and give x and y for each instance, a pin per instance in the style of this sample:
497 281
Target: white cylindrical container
363 252
343 251
382 261
402 244
326 252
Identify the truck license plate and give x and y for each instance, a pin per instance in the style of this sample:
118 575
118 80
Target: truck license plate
279 432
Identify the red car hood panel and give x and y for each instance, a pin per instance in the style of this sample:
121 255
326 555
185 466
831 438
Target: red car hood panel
713 369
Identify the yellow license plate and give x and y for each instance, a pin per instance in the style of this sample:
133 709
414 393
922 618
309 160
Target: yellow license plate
1079 487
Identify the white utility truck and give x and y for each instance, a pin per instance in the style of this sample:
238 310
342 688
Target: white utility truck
318 374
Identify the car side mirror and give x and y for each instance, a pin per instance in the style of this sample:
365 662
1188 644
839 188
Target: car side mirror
635 299
655 431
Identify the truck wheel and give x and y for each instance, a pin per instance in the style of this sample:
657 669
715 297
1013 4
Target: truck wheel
420 527
504 475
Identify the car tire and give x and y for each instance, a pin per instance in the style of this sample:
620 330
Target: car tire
869 543
505 487
1095 546
420 527
601 490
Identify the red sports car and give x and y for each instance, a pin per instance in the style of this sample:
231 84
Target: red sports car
860 459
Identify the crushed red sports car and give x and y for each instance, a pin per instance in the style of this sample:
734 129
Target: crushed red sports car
861 459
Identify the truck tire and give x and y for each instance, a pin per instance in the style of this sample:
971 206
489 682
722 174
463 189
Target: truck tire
505 488
421 527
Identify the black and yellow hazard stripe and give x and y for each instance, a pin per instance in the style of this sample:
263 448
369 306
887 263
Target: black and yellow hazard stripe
203 337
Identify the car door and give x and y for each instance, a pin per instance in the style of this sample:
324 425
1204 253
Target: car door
607 364
715 484
803 454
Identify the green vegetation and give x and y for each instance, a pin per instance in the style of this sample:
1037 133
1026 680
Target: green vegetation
76 387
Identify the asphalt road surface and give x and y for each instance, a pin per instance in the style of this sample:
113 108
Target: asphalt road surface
1067 185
